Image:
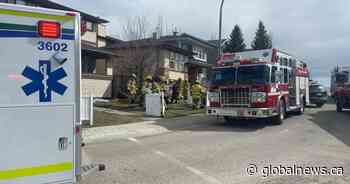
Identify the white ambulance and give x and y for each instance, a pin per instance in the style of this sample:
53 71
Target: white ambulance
39 96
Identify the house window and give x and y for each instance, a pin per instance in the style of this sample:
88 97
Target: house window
88 65
90 26
182 67
185 47
185 59
171 55
200 53
172 64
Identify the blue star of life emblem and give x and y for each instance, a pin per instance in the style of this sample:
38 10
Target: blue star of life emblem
44 80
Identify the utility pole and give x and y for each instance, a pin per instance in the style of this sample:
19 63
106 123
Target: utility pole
220 28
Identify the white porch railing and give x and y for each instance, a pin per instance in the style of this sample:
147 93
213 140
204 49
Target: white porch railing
87 109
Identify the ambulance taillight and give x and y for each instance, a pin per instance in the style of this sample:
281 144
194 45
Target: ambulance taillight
48 29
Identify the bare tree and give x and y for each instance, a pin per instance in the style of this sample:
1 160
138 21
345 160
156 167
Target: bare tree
139 55
160 26
136 28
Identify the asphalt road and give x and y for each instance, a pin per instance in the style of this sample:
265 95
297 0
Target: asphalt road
199 149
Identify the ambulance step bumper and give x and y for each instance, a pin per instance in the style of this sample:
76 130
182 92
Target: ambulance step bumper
91 168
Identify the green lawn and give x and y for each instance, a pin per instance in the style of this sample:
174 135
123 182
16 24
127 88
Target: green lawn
107 118
178 110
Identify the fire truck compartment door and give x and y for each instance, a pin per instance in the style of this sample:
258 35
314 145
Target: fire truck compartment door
37 144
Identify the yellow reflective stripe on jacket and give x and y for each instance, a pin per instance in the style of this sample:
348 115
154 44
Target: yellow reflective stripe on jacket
33 171
35 15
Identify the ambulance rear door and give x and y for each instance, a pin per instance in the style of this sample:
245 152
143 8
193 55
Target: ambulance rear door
39 96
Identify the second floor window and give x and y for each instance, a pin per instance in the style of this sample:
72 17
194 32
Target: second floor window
176 61
90 26
172 64
172 56
200 53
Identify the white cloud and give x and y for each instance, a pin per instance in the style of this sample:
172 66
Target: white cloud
317 30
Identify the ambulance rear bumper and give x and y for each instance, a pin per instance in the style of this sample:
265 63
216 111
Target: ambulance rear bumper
242 112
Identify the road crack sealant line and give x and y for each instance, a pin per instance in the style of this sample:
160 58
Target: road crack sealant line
175 161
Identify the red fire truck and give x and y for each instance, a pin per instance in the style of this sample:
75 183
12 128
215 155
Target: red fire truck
340 87
258 84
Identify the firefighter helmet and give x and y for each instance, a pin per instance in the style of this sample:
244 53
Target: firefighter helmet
148 77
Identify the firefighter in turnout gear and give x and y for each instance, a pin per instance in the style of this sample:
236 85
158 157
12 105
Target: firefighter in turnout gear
176 96
196 94
156 87
146 89
132 89
163 84
159 84
147 86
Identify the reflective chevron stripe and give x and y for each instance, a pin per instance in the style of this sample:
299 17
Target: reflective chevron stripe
36 15
34 171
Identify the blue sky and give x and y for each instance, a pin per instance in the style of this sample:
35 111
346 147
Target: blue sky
315 30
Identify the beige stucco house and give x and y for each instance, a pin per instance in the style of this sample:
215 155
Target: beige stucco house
173 56
149 57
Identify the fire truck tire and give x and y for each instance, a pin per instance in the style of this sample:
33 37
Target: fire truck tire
278 120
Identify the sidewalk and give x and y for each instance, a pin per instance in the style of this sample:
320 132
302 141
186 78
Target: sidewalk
139 129
145 128
109 117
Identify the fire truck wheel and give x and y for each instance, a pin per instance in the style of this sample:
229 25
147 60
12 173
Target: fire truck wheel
278 120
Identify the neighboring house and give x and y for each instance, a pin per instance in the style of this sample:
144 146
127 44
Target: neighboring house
204 57
173 57
97 60
149 57
112 41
